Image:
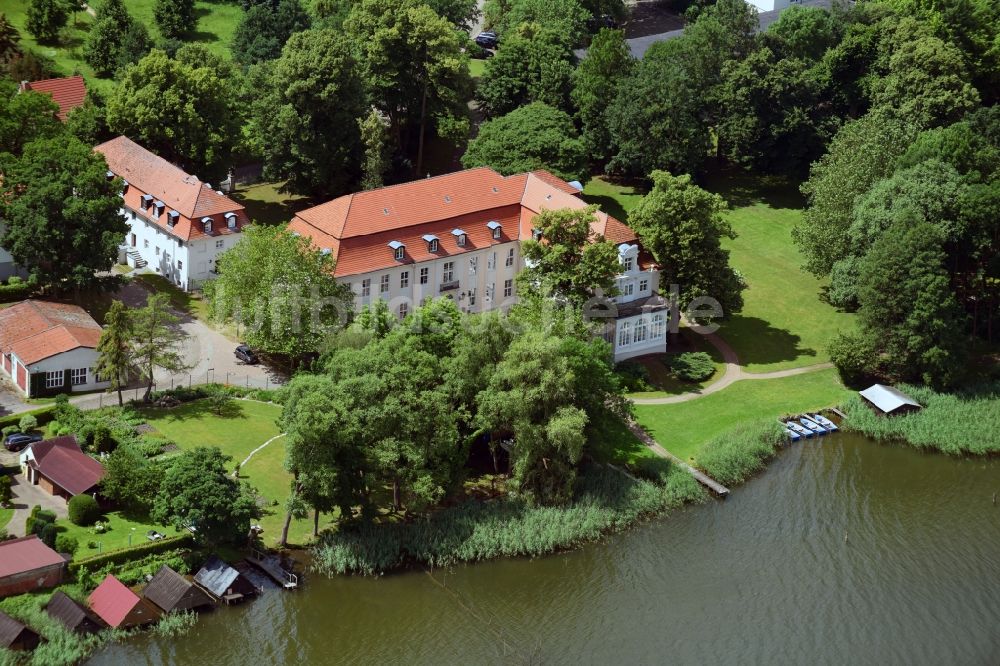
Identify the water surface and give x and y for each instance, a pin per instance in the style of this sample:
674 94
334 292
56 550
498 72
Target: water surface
844 551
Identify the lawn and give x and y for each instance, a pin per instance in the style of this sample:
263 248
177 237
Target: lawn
614 198
121 531
266 205
5 516
665 382
180 300
683 428
245 426
477 67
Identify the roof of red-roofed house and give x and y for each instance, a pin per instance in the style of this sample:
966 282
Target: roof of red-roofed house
61 461
357 227
36 330
68 93
193 200
112 601
26 554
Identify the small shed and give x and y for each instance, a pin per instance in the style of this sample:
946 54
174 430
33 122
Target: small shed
119 606
73 615
27 564
889 400
170 591
16 636
224 583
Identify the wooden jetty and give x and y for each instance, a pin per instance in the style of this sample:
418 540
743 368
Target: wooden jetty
654 446
271 565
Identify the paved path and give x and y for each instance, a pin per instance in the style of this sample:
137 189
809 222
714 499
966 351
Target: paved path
247 459
27 496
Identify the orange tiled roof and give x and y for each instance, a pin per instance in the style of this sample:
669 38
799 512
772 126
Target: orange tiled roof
68 93
358 227
36 330
180 192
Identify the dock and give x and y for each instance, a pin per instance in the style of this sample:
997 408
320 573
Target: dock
271 565
654 446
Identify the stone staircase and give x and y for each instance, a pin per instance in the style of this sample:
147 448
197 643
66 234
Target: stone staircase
136 259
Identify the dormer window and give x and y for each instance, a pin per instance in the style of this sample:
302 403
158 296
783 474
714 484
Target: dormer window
231 220
172 217
398 250
460 237
159 206
147 201
110 175
432 242
536 234
495 229
124 186
207 224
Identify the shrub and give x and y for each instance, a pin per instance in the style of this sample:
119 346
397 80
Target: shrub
83 510
66 544
736 455
9 430
43 414
634 376
28 423
692 366
5 491
48 534
37 520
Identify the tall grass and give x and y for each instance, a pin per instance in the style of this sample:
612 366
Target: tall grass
606 501
955 423
735 456
175 624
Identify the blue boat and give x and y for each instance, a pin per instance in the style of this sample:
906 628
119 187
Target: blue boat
792 435
815 427
798 429
825 422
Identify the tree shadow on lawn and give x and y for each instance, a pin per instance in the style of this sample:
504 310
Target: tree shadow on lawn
198 409
609 205
741 189
272 212
756 341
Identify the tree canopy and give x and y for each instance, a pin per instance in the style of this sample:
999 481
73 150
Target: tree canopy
264 29
595 86
534 65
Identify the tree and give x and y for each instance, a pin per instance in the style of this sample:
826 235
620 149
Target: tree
804 33
114 349
567 19
27 423
131 479
682 226
63 216
655 121
862 152
184 113
115 40
460 13
175 18
375 138
9 38
25 117
376 318
567 263
264 29
46 18
305 124
197 491
531 137
156 339
534 65
963 145
83 510
595 86
88 122
416 71
282 289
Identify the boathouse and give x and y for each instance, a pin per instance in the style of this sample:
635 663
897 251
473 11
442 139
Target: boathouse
889 400
16 636
223 583
119 606
27 564
73 615
171 592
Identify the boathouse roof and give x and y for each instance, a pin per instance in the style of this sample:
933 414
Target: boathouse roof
888 399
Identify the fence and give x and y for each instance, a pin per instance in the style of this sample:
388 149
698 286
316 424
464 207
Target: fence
136 392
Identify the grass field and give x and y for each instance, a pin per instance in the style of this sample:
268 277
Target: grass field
266 205
684 427
476 67
121 531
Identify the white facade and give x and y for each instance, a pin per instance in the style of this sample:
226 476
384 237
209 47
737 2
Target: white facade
185 263
770 5
642 319
74 367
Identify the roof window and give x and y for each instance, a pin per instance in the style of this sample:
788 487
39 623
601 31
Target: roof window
207 224
172 217
495 228
231 220
460 237
432 242
398 250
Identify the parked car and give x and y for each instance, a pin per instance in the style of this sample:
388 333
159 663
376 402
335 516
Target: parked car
245 354
595 23
17 441
488 39
153 535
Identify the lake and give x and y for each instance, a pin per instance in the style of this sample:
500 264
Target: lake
843 551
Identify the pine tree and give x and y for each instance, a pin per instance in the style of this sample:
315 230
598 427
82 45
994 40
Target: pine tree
9 38
114 350
156 339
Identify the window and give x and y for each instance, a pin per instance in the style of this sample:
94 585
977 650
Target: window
460 239
510 257
640 330
366 287
78 376
491 261
53 379
508 288
495 229
623 335
424 275
404 308
627 289
219 244
627 264
490 288
157 250
432 246
399 252
496 234
383 286
472 296
657 328
404 279
180 265
643 285
145 244
473 265
448 274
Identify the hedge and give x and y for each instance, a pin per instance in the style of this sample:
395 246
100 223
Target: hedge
126 554
43 414
15 292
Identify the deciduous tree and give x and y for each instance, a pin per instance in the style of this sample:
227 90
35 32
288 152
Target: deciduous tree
534 65
25 117
567 19
9 39
156 340
131 479
175 18
114 349
46 18
264 29
375 138
595 86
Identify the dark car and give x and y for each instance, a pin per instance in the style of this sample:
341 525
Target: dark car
245 354
488 39
596 23
17 441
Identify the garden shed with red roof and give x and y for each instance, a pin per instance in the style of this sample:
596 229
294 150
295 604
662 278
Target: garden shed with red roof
60 467
27 564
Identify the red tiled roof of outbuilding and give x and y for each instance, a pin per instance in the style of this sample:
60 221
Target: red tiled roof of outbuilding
112 601
36 330
68 93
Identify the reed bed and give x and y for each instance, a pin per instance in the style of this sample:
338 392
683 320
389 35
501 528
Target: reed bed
956 423
735 456
606 501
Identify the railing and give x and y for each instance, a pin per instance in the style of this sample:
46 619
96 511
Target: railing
448 286
136 390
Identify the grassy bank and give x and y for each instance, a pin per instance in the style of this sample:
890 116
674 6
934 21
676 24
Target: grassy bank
606 501
682 428
735 456
955 423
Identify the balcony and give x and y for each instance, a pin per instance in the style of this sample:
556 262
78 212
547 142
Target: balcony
448 286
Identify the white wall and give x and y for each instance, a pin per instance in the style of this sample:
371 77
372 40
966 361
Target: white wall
81 357
627 344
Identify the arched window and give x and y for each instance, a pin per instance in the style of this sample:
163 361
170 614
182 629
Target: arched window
624 338
640 330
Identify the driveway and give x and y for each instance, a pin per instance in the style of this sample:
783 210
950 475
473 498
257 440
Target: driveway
27 496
